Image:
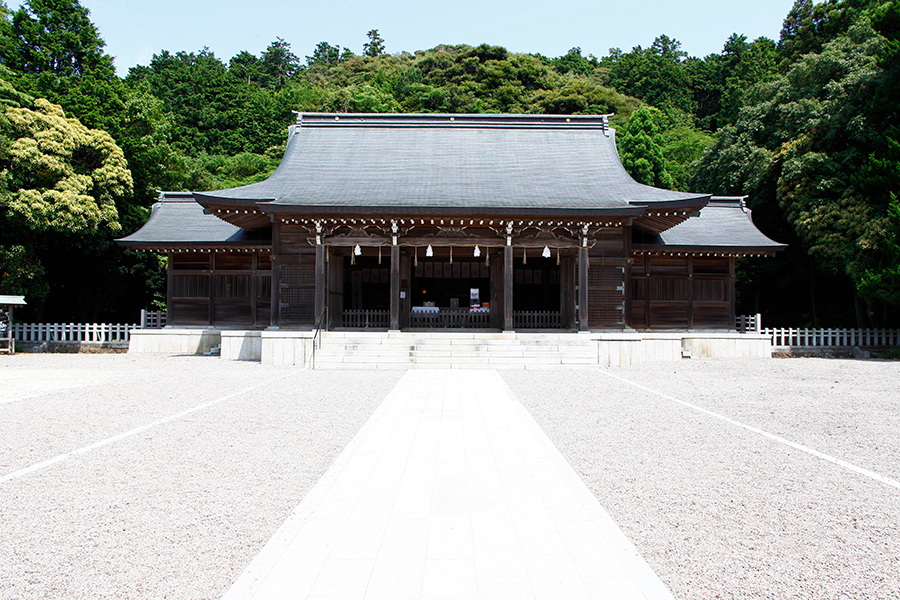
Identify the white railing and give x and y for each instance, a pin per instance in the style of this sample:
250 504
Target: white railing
366 318
153 319
832 338
72 332
536 319
748 323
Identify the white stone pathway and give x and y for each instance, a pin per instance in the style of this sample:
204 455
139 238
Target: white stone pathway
451 490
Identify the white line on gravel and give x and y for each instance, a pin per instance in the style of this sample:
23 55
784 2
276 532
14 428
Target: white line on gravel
871 474
135 431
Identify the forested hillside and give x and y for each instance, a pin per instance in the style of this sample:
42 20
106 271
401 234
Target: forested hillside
805 125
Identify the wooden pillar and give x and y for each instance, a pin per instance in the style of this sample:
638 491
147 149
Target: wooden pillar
321 283
335 281
170 281
405 288
496 299
395 287
583 324
212 288
730 290
508 288
629 281
690 291
275 300
254 287
567 290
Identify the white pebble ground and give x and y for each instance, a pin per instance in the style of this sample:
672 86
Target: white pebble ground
178 509
719 511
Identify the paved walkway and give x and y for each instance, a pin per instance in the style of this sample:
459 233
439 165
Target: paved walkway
449 491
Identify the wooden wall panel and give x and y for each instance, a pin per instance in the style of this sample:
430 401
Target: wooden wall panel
189 312
668 264
234 261
189 261
295 240
638 314
669 315
713 315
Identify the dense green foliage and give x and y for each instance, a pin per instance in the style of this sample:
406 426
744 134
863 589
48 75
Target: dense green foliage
806 126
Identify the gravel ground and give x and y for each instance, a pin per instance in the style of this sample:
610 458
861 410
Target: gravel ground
721 512
177 510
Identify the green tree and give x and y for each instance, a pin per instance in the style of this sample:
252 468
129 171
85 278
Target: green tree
60 181
641 148
375 45
657 75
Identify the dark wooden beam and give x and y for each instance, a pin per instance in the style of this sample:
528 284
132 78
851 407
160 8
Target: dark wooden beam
508 288
170 314
395 288
275 306
583 324
212 289
321 283
629 283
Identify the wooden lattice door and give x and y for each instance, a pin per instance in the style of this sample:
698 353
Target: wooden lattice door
606 297
298 293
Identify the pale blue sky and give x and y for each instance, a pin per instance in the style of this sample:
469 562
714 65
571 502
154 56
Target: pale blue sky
135 30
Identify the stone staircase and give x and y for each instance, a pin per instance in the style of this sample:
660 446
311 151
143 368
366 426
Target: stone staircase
460 350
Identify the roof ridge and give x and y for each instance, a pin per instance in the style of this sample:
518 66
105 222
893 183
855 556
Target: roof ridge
453 120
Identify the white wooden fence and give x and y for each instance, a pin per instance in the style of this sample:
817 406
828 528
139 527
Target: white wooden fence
832 338
72 332
820 337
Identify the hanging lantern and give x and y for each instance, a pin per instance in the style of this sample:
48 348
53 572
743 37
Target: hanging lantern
546 252
477 252
429 252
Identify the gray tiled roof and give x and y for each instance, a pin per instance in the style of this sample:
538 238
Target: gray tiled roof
724 224
490 162
177 219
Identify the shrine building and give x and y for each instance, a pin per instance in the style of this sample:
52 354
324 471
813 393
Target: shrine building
446 222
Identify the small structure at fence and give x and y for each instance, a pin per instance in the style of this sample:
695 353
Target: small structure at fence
7 338
153 319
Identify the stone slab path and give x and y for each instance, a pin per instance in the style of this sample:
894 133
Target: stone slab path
451 490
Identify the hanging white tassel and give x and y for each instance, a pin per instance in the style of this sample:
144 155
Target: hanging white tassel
429 252
477 252
546 252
